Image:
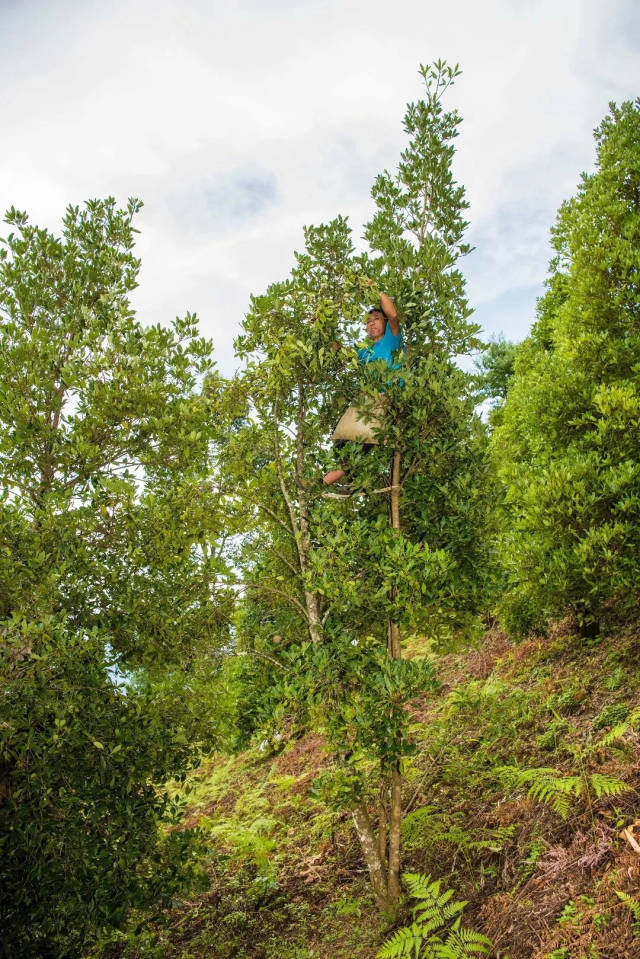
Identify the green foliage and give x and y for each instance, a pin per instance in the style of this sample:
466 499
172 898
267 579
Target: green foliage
634 906
106 503
612 715
567 445
495 369
428 826
557 789
252 841
570 915
81 837
111 619
550 739
436 932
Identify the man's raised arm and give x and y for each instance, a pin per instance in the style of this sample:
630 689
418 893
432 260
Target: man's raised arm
390 312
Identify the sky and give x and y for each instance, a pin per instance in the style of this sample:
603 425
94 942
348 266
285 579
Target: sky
239 123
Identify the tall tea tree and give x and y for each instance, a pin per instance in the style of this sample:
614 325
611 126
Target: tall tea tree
417 564
291 385
404 554
110 521
567 449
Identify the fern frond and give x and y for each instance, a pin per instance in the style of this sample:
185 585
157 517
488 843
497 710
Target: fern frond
453 909
466 944
615 734
429 920
420 886
607 785
404 942
435 910
508 775
632 903
634 906
552 787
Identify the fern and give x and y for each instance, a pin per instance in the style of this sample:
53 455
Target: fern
618 732
404 942
436 912
465 942
551 787
555 788
634 906
607 785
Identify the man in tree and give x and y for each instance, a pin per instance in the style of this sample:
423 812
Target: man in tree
383 328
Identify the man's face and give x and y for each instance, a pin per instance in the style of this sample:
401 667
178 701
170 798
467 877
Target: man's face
376 325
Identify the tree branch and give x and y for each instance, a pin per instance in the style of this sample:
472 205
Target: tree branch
275 592
277 519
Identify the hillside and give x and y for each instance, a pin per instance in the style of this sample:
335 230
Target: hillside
286 879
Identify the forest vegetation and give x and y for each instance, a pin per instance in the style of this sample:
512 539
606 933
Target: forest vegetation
243 718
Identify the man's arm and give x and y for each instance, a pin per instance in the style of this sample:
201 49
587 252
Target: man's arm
390 312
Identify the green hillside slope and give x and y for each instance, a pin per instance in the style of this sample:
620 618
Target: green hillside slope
522 797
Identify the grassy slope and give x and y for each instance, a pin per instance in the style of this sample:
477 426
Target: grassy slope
288 882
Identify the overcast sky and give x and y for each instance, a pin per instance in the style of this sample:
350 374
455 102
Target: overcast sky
238 123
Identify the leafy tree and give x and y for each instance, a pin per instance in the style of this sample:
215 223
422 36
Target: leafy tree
338 584
495 369
109 522
567 449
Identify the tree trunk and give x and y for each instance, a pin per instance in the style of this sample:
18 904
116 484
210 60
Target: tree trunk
395 822
304 540
383 827
394 652
371 856
297 508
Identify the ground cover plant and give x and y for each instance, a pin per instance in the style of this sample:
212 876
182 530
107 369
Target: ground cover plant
285 869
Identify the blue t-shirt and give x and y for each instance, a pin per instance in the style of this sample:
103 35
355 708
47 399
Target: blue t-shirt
383 349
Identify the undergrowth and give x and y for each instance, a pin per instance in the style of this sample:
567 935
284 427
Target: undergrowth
524 776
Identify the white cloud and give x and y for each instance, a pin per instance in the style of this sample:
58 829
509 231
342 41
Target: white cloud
237 124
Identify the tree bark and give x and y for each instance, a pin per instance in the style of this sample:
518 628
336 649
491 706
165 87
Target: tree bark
370 851
394 652
304 542
395 822
299 519
382 828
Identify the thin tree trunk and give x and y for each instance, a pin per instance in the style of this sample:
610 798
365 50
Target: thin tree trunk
383 827
394 652
395 492
395 822
304 548
300 520
371 856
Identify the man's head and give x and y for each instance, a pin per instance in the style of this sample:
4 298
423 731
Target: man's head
376 324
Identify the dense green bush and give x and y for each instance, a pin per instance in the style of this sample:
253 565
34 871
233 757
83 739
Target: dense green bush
568 447
80 818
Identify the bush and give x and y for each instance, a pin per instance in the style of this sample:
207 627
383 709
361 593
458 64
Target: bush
81 821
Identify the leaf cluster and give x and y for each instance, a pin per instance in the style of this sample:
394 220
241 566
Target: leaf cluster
436 932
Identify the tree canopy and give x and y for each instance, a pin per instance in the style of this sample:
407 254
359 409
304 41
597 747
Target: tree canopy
567 449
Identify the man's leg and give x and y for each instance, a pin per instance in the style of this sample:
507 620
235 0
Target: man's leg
333 476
